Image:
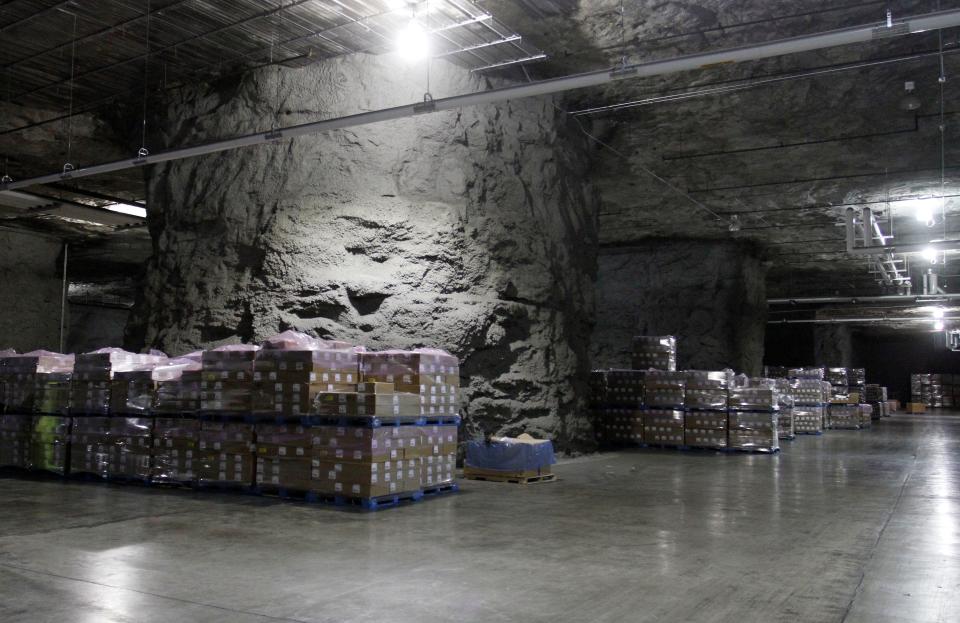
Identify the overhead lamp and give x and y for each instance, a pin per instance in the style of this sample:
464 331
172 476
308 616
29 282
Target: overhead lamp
126 208
412 42
909 102
923 210
938 313
930 254
938 325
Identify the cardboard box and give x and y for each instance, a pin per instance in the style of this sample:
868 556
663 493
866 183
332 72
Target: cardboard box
916 407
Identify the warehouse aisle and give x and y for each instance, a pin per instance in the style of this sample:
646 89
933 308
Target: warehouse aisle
855 526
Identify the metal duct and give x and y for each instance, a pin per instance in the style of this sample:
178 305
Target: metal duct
857 320
886 298
806 43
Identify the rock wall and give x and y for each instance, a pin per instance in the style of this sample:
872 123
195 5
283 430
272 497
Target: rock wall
30 290
470 230
833 345
94 326
710 295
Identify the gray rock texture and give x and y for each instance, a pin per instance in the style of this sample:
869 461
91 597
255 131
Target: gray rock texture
710 295
30 291
833 345
470 230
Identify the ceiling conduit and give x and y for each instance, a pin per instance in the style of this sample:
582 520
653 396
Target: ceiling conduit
706 60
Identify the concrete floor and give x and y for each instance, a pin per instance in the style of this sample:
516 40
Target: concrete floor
855 526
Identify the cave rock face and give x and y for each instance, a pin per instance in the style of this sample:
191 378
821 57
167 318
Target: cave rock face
471 230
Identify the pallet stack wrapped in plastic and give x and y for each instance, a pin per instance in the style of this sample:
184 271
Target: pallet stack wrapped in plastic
866 415
809 397
786 425
175 426
876 397
753 417
621 414
37 401
434 376
857 384
225 448
101 439
843 416
597 402
917 381
14 428
664 398
655 352
705 408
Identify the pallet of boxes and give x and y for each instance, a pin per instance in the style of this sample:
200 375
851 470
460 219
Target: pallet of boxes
663 415
176 429
809 400
705 403
753 417
340 425
520 460
786 425
619 418
104 435
35 428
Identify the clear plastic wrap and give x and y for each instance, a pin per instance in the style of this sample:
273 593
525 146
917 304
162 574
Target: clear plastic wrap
810 374
621 426
808 419
665 389
174 455
707 389
663 427
37 370
431 374
509 455
705 429
657 352
842 416
755 431
227 379
785 423
754 399
625 388
15 433
866 415
49 441
178 386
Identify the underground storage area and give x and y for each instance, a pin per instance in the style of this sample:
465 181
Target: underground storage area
479 310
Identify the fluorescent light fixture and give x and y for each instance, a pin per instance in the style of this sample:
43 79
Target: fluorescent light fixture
938 313
930 254
126 208
938 325
412 42
923 210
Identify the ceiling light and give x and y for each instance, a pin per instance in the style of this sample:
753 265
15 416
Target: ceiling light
930 254
126 208
923 210
938 313
412 42
909 101
938 325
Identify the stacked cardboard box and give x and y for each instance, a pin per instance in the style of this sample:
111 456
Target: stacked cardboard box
99 446
866 415
15 430
786 427
617 401
225 453
49 444
655 352
807 374
665 390
663 427
292 369
226 386
753 419
175 427
432 375
843 416
705 408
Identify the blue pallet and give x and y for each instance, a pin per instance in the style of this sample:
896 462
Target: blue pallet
450 487
809 432
378 422
129 480
348 502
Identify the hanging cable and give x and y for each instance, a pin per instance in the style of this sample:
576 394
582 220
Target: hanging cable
67 167
623 38
143 152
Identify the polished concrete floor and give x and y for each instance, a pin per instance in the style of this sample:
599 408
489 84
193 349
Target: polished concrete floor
854 526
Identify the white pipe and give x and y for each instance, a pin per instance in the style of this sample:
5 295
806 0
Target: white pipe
706 60
866 224
919 247
850 222
856 320
884 298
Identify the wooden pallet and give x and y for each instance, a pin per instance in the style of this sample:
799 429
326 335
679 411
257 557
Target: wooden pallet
520 478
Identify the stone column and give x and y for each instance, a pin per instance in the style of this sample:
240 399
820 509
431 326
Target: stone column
470 230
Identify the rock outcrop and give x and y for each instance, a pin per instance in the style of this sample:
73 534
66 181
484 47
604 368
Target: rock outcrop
710 295
471 230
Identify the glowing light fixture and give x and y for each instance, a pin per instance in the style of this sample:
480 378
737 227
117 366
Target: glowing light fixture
938 313
924 210
930 254
938 325
126 208
412 42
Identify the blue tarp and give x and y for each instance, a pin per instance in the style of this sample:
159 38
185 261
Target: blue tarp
509 456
